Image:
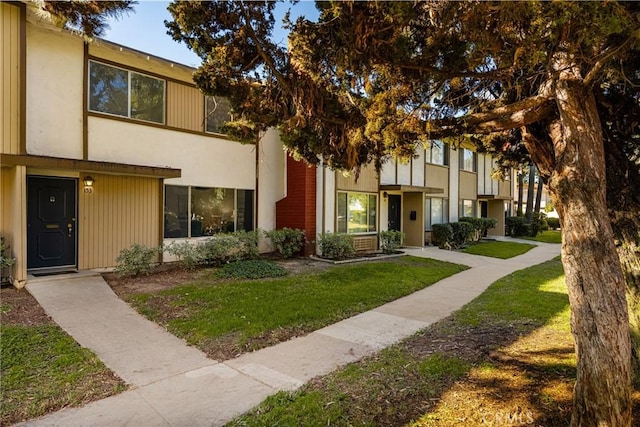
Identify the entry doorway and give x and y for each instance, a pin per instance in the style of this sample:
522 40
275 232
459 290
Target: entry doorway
51 223
395 212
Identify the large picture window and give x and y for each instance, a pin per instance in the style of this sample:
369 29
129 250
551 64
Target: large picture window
437 153
206 211
125 93
357 212
468 160
436 212
218 112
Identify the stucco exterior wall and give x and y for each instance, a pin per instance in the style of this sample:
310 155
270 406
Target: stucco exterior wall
54 93
205 161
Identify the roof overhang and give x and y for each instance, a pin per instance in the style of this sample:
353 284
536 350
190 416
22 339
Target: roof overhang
493 197
412 189
88 166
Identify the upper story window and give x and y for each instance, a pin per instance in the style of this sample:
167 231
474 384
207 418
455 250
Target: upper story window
218 111
437 153
468 160
125 93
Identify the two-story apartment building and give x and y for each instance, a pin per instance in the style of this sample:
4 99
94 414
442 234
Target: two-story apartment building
104 146
439 185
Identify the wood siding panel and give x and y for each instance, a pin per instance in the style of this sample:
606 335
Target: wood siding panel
10 77
185 107
119 212
437 177
468 186
367 181
505 188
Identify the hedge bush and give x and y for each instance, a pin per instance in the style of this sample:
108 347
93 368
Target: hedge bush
287 242
517 226
390 241
188 255
336 245
477 224
462 233
442 235
553 223
135 260
236 246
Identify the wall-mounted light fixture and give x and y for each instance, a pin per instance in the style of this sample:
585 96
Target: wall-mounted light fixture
385 195
88 184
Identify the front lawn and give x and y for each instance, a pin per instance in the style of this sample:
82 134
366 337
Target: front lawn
503 250
225 318
506 358
42 368
549 236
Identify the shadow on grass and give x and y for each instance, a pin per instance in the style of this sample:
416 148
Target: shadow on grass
506 358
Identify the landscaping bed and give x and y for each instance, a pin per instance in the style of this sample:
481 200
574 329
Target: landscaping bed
227 317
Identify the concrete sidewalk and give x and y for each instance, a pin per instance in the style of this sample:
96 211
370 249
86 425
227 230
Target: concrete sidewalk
177 385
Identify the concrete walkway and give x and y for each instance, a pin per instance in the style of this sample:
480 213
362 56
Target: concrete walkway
173 384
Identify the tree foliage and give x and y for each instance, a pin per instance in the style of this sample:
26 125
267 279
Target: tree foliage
87 16
376 79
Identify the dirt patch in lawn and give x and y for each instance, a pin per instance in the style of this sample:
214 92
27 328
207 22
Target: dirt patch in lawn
19 308
168 276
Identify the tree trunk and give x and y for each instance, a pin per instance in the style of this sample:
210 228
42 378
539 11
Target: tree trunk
623 200
539 188
530 193
520 192
595 282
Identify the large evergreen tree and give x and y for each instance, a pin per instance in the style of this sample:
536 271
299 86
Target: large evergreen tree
372 79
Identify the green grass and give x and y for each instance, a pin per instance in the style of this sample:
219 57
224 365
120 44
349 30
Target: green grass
533 296
549 236
248 309
358 390
43 369
395 383
501 250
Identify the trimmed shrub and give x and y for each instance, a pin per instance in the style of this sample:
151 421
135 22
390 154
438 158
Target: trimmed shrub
488 223
336 245
6 259
462 233
538 223
248 244
554 223
189 255
390 241
287 242
477 224
252 269
442 235
517 226
137 259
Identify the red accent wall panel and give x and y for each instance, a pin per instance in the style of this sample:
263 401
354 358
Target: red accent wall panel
298 208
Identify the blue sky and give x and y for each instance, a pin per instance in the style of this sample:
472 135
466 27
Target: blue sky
144 29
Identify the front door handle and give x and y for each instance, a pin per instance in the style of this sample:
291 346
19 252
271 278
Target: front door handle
70 228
